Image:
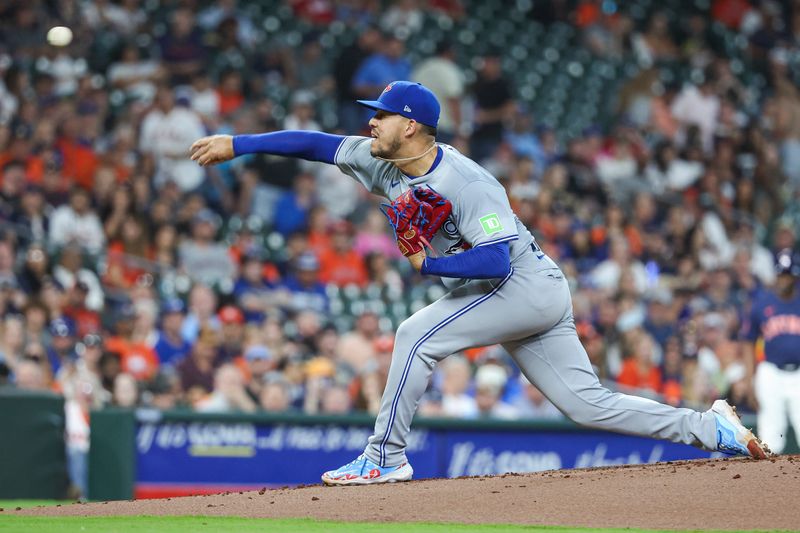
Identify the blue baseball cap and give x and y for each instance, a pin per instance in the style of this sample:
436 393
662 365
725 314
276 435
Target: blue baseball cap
409 99
172 305
62 327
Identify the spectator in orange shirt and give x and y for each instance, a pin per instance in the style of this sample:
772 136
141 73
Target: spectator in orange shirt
319 238
86 320
80 161
229 92
20 152
137 358
342 265
638 370
122 156
128 254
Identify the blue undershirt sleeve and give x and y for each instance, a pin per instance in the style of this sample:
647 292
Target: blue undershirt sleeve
309 145
484 262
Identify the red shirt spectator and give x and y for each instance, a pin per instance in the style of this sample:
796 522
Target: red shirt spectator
138 359
34 166
638 371
127 255
86 321
229 92
638 377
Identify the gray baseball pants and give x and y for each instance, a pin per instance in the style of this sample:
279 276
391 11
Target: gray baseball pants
530 313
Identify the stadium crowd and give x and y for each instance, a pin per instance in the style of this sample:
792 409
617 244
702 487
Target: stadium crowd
132 277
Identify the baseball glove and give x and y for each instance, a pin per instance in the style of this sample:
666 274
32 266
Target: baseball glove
415 217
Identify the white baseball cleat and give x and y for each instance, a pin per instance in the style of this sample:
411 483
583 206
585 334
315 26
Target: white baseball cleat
362 471
732 437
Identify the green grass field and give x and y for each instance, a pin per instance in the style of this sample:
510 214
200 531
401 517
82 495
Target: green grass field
176 524
13 504
210 524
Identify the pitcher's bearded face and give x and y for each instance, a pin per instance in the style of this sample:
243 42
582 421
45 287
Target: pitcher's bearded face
387 133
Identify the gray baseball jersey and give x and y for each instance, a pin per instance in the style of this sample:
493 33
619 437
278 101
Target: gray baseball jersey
529 312
459 179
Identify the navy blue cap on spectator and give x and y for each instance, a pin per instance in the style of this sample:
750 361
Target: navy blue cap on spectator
257 352
592 131
62 327
205 215
173 305
87 107
126 312
183 97
543 129
409 99
32 188
307 261
252 254
787 261
22 131
53 282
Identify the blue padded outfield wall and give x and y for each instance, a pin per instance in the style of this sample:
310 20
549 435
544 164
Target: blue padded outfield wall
188 453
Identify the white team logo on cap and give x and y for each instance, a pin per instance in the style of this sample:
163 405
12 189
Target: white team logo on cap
407 109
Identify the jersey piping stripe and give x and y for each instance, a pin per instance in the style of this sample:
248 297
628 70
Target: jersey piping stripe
504 239
437 327
336 153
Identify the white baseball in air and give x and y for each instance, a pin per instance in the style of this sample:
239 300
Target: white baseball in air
59 36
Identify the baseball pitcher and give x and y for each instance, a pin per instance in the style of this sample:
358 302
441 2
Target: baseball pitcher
503 288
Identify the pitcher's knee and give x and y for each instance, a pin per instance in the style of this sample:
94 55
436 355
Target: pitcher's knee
581 415
404 331
585 409
411 338
405 339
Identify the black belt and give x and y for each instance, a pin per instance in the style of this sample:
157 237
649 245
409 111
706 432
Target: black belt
789 367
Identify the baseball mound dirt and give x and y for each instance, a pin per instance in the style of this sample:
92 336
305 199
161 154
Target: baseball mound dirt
705 494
